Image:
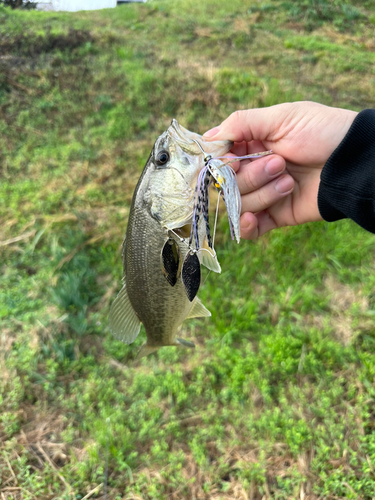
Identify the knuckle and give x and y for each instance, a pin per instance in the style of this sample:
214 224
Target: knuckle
237 116
263 199
249 181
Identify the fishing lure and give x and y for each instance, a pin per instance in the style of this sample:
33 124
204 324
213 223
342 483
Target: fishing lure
223 177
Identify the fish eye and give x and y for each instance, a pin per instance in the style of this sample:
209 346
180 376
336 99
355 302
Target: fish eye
162 157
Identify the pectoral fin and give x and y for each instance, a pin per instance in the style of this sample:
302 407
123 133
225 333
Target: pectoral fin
198 310
123 321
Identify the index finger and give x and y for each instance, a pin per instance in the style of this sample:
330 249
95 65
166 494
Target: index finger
258 124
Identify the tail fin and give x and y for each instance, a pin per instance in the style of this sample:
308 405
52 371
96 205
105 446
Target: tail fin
146 349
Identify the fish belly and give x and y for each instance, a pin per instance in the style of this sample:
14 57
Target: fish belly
160 306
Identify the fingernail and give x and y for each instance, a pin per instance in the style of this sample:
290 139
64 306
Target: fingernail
211 132
284 184
274 167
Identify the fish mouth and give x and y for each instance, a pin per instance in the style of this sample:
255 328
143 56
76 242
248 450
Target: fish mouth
188 140
184 138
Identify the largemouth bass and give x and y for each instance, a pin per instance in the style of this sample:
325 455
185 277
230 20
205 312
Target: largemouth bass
161 262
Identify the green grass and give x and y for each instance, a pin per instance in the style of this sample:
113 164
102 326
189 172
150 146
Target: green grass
277 399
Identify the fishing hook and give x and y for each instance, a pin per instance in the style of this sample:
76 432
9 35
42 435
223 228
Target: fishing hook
207 157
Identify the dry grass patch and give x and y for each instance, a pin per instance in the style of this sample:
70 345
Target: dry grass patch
342 298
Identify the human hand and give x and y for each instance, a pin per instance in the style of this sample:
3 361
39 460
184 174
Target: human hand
282 189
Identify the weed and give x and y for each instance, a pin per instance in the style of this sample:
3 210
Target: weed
342 14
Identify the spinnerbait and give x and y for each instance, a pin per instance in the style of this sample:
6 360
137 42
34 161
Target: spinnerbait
224 179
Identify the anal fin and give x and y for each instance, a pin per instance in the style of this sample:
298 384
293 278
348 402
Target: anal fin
124 324
198 310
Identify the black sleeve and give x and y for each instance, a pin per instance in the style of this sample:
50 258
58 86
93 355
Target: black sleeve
347 182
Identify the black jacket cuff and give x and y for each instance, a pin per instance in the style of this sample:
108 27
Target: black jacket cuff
347 181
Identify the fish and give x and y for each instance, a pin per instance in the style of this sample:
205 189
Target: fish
164 248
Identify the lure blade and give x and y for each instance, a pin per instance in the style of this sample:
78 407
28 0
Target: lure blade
191 275
171 260
226 182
